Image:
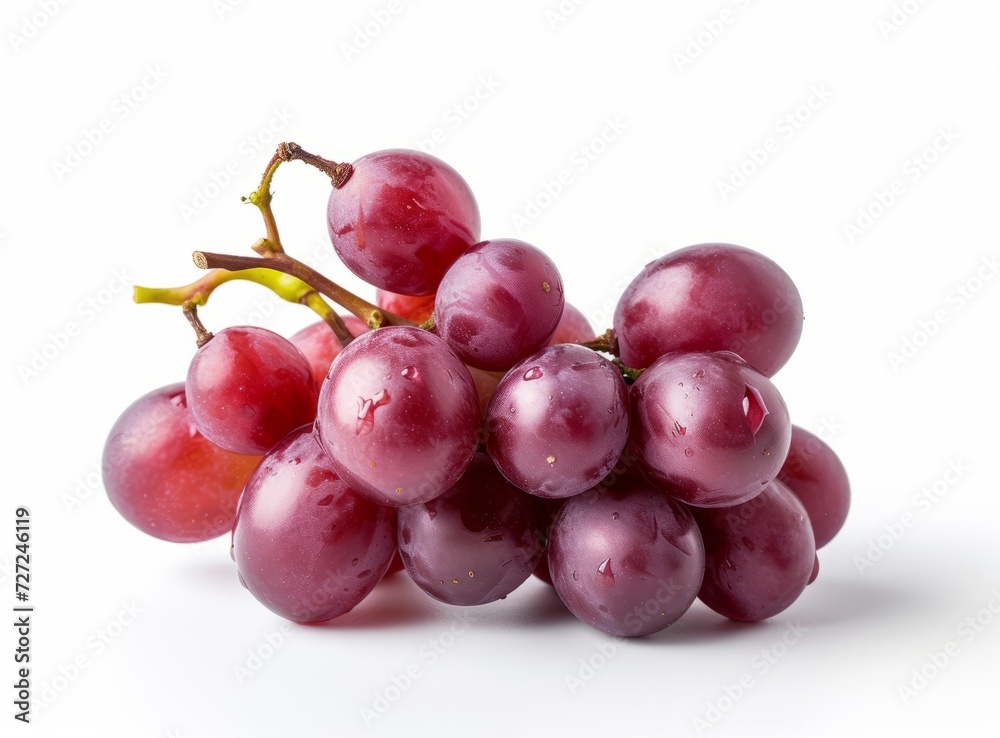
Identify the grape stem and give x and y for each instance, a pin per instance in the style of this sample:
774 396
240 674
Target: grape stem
604 343
284 286
203 336
279 261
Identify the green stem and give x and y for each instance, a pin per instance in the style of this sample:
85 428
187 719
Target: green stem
371 314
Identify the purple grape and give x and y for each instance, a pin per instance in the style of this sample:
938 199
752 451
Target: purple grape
401 220
248 388
399 415
573 327
626 560
474 544
320 345
759 555
817 477
558 421
305 544
708 428
165 477
500 302
710 297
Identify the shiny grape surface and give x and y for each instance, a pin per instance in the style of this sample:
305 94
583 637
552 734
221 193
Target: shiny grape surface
402 219
248 388
500 302
760 555
709 429
710 297
626 560
814 474
558 421
306 545
165 477
475 543
320 345
418 309
573 327
399 416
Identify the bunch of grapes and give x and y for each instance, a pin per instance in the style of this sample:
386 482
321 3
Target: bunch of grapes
471 426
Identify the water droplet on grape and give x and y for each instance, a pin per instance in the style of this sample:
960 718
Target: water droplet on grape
700 374
472 573
366 412
615 516
551 459
603 608
295 461
248 412
534 372
354 561
605 571
325 501
411 372
454 581
748 543
689 452
679 428
576 576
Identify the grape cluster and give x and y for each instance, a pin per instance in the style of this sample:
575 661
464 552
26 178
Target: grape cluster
486 433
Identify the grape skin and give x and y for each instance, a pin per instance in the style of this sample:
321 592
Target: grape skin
710 297
760 555
814 474
501 301
709 429
418 309
402 219
558 421
165 477
320 345
306 545
399 416
626 560
248 388
475 543
573 327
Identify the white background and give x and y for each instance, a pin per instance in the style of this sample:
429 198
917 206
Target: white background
76 230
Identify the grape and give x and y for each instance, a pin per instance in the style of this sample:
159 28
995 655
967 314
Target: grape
320 345
486 384
558 421
815 572
500 302
402 219
818 478
626 560
165 477
399 416
418 309
573 327
306 545
248 388
707 427
759 555
475 543
710 297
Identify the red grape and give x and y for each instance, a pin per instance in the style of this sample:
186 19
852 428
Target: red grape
402 219
710 429
759 555
320 345
500 302
573 327
558 421
817 477
418 309
399 415
626 560
473 544
165 477
710 297
248 388
306 545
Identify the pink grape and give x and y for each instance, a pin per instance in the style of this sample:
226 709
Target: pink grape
817 477
402 219
473 544
710 297
573 327
248 388
558 421
418 309
320 345
165 477
760 555
399 416
626 560
708 428
306 545
499 302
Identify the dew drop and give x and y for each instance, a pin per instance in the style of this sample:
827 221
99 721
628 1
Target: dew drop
399 490
605 571
472 573
534 372
354 562
576 576
411 372
689 452
296 461
366 412
680 428
748 543
248 412
603 608
325 501
615 516
454 581
700 374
